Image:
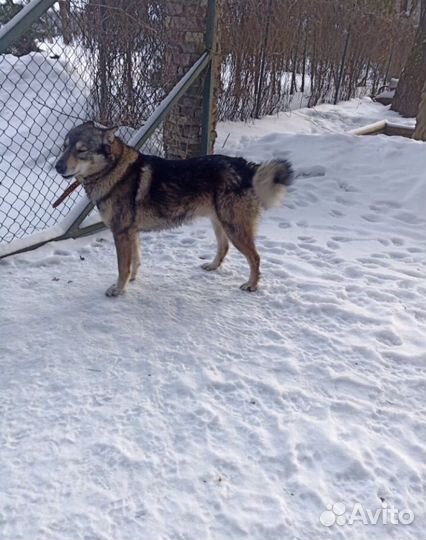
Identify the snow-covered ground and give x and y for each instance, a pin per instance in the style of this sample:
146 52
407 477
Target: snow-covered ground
188 409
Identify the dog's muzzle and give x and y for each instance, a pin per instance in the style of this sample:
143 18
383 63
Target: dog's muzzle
61 168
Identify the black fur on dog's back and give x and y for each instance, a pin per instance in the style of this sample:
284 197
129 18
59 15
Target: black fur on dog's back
200 174
181 179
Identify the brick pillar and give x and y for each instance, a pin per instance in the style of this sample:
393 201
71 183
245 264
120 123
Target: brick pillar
186 26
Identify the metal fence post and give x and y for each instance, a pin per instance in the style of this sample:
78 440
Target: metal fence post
30 13
211 45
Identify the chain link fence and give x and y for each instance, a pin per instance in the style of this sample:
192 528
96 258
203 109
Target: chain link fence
81 59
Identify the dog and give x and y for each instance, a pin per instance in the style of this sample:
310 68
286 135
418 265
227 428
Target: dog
136 192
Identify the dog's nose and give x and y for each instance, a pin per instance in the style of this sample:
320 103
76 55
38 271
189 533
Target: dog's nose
60 167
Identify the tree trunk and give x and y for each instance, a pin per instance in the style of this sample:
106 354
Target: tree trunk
302 88
259 95
293 86
413 76
342 66
420 133
65 15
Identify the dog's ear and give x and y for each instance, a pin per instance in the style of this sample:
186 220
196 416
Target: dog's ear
89 123
109 134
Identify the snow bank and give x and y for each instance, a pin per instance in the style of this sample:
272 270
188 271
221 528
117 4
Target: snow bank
324 118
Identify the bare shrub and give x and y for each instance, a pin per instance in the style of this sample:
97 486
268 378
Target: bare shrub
124 47
280 54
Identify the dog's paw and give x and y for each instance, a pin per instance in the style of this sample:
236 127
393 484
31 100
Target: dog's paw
209 267
135 272
114 291
248 287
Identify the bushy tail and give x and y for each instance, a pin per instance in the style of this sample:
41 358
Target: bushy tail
271 181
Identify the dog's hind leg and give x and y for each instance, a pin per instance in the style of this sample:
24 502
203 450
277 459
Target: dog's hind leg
136 257
124 243
222 246
243 239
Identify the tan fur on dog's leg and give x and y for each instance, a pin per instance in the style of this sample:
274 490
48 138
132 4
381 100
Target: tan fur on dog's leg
222 246
243 240
123 244
136 258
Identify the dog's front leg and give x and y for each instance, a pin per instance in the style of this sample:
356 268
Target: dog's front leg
123 245
136 257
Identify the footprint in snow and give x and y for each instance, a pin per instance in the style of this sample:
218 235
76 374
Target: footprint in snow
372 262
188 241
345 201
333 245
353 272
62 252
347 187
398 255
342 239
388 337
310 172
284 225
372 218
383 241
389 204
410 219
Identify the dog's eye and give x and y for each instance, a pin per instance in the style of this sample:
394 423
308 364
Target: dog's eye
82 150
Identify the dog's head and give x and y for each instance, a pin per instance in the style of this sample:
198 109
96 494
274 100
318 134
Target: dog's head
87 150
